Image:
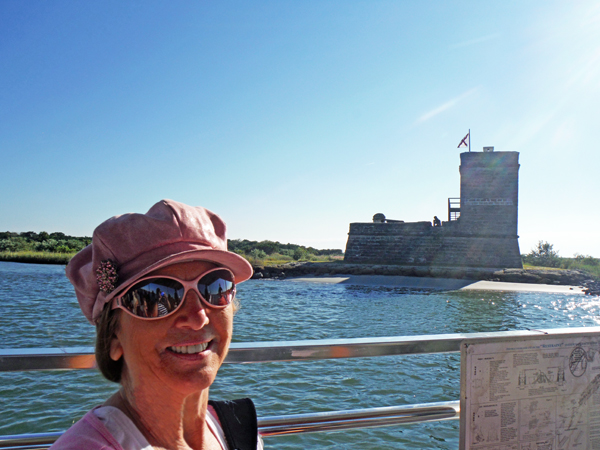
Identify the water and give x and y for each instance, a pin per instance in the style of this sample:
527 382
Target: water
38 309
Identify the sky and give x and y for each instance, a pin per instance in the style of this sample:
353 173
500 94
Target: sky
293 119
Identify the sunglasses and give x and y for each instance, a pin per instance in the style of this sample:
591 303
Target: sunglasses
159 297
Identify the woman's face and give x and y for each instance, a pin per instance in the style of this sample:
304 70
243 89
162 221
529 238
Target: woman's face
182 352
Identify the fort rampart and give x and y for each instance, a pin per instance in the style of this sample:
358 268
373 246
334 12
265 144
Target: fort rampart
482 232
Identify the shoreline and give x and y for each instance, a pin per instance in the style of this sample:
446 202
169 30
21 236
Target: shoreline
429 277
444 284
422 277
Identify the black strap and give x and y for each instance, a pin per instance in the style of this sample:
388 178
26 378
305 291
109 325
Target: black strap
238 419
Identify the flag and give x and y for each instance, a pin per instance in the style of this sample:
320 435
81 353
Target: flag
465 141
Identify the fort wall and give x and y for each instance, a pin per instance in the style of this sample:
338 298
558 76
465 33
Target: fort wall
485 234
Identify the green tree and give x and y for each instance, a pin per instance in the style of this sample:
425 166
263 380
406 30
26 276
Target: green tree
586 259
258 254
14 244
543 255
268 247
49 245
75 244
30 235
299 253
9 245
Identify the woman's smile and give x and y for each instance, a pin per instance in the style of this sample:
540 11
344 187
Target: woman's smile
189 349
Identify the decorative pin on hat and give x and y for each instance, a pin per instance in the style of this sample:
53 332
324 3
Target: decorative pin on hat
107 276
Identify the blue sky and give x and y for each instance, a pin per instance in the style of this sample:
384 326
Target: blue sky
293 119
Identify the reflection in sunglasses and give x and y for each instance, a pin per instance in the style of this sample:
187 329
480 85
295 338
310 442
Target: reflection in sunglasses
158 297
153 298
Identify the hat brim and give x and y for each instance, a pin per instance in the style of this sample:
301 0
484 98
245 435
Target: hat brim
241 269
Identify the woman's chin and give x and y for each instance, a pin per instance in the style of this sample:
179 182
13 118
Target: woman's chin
189 374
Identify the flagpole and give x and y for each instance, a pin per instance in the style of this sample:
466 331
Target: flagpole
469 140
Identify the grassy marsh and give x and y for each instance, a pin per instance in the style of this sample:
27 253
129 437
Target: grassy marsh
36 257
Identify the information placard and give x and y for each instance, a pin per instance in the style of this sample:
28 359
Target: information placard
531 393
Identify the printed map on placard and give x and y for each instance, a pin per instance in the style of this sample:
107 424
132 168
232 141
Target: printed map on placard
531 394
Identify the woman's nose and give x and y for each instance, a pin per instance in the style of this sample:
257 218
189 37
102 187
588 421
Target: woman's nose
192 313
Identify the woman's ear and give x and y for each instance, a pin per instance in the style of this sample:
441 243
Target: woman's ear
116 350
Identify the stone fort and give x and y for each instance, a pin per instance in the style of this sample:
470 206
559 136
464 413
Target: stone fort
481 230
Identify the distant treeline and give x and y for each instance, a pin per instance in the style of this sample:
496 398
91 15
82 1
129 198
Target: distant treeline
264 249
544 255
30 241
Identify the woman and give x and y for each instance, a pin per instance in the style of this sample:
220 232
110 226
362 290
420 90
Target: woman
166 363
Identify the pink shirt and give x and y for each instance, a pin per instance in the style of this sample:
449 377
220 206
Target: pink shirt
89 433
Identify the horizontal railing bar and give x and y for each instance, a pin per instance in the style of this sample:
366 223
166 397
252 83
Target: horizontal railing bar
27 359
27 447
357 347
299 423
12 360
358 418
31 440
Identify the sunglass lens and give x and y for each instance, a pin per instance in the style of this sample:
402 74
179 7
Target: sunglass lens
156 297
217 287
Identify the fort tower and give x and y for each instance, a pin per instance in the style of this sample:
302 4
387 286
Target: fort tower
489 193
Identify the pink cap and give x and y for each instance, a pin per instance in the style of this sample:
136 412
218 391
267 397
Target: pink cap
132 245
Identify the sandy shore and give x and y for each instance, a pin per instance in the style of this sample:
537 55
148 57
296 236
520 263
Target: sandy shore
440 283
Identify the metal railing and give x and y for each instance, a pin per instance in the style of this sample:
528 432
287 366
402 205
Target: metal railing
243 353
297 423
453 209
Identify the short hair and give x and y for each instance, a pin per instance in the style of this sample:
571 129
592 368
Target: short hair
106 330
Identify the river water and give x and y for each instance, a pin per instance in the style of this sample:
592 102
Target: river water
38 308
